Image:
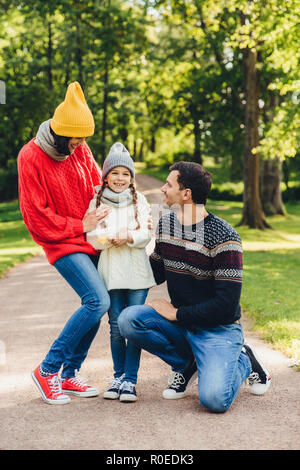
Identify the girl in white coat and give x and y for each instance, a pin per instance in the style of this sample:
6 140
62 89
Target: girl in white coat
123 263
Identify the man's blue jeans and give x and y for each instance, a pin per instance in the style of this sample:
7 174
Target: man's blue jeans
222 366
126 357
71 347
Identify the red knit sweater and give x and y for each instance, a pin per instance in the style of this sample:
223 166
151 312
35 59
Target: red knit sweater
54 196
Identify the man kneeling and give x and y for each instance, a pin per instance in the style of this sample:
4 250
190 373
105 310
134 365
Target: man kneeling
199 255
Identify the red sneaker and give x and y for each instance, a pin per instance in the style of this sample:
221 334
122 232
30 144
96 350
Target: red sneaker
78 386
50 388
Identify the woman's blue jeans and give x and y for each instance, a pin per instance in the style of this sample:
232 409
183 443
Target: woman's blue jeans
222 366
126 357
71 347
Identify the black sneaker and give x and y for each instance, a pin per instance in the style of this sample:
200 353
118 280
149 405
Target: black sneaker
259 380
128 392
178 382
113 392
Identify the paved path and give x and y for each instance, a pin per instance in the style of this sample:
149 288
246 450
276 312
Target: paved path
36 302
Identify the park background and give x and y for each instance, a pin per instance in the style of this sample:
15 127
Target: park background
211 81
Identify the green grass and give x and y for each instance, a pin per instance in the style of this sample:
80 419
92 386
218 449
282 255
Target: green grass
16 244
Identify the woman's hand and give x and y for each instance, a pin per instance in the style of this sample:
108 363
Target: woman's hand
91 219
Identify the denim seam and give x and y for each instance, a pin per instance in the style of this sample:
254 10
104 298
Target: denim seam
228 391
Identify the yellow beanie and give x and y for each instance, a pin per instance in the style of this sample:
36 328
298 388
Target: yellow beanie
73 118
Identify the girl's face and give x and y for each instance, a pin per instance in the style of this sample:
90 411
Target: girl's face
118 179
74 142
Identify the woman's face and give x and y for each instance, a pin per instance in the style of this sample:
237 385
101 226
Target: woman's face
74 142
118 179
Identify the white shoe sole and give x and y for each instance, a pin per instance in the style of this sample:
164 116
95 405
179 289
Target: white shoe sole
61 401
170 394
110 395
87 394
260 389
128 398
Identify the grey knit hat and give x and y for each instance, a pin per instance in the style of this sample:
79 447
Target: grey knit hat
118 156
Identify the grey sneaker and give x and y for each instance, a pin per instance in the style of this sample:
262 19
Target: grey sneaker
113 392
128 392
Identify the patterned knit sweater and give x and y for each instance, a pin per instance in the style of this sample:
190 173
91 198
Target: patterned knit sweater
54 196
202 265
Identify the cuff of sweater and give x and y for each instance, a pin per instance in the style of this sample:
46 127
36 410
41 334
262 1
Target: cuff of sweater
181 315
78 227
138 240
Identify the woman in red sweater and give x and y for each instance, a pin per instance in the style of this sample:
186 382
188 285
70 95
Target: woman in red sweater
57 176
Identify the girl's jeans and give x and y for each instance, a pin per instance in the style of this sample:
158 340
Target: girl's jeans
126 357
71 347
222 366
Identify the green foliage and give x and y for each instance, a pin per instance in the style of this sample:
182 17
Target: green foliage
165 77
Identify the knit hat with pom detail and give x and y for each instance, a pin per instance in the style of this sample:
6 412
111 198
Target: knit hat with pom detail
73 118
118 156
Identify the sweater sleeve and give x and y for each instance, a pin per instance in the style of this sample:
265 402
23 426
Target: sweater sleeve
156 260
224 307
39 218
142 236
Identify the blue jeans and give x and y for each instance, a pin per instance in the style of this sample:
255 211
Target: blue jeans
126 357
222 366
71 347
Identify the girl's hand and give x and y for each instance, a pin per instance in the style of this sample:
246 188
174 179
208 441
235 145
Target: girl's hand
121 238
91 219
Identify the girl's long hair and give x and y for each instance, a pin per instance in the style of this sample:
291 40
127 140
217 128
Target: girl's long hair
134 199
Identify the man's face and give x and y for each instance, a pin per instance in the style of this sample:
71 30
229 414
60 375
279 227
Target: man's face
171 190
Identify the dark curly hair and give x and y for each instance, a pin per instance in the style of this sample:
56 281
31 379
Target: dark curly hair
194 177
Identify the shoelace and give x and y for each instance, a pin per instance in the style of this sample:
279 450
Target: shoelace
176 379
115 383
78 381
128 387
253 378
55 385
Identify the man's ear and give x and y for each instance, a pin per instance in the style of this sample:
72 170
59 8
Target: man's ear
187 194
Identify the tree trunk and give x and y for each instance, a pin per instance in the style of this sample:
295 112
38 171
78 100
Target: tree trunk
270 187
271 174
253 215
140 156
153 144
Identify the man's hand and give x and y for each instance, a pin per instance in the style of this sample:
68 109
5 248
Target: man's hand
164 308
